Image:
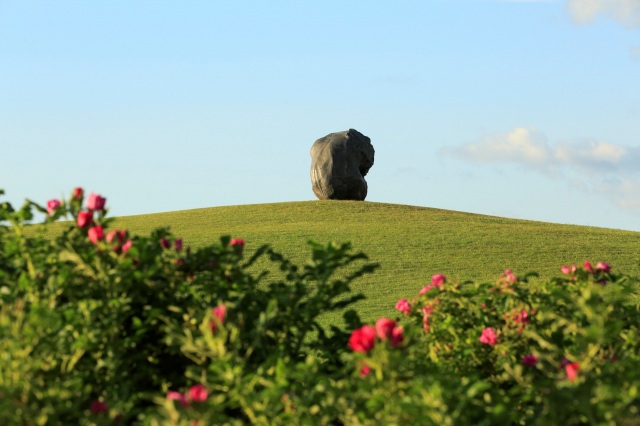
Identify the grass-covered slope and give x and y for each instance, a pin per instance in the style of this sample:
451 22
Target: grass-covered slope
410 243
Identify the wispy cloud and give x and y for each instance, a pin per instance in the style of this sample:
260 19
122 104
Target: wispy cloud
601 167
627 12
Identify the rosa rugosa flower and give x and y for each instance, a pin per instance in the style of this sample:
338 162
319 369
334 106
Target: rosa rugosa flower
603 266
219 312
572 369
587 266
437 280
85 219
96 234
165 244
530 360
177 396
397 336
77 193
384 327
509 277
95 202
363 339
198 393
364 370
52 206
403 306
489 336
425 289
237 244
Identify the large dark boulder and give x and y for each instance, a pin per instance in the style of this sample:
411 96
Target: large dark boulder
339 163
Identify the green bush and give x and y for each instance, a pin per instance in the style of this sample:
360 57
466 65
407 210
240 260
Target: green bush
100 327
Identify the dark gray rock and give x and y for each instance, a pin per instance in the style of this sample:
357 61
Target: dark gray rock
339 163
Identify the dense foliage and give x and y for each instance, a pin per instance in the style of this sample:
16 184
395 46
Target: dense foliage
101 327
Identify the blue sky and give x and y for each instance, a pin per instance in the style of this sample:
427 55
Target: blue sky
522 109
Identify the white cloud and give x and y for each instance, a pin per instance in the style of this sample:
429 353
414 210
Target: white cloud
627 12
601 167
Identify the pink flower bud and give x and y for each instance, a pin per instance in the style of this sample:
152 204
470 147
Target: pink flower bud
437 280
384 328
177 396
237 244
52 206
530 360
604 267
77 193
95 202
98 407
198 393
572 370
85 219
95 234
403 306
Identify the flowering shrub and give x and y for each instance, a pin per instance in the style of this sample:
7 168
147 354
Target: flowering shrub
98 326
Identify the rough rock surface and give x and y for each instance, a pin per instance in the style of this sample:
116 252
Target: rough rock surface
339 163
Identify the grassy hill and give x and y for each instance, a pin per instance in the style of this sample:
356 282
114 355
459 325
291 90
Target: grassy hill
410 243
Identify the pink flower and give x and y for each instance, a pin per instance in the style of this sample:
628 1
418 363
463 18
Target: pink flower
219 312
397 336
522 317
530 360
572 370
565 270
488 336
238 244
363 339
96 234
426 289
177 244
437 280
604 267
95 202
177 396
509 276
198 393
426 311
85 219
384 328
165 244
77 193
98 407
52 206
121 235
403 306
587 266
364 370
126 246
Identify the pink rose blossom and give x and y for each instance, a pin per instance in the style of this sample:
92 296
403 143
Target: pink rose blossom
198 393
384 328
587 266
177 396
572 370
397 336
96 234
426 289
522 317
364 370
219 312
165 244
95 202
437 280
403 306
565 270
238 244
530 360
363 339
77 193
126 246
509 276
52 206
98 407
85 219
488 336
604 267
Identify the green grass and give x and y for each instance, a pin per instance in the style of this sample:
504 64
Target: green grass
410 243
